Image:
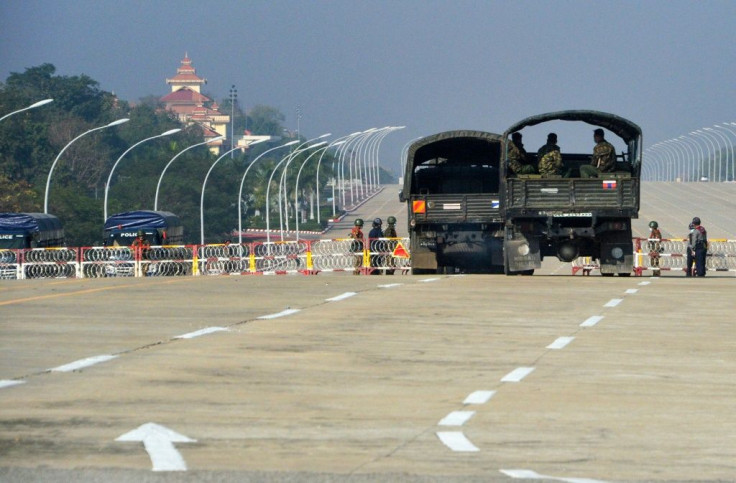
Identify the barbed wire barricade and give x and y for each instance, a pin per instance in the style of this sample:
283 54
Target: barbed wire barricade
10 264
671 255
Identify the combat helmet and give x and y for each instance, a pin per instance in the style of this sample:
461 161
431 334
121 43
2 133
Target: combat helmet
391 220
377 222
358 222
653 224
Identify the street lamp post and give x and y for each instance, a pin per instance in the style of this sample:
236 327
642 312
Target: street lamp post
53 165
35 104
160 178
242 182
233 98
709 140
204 184
296 187
109 178
733 157
720 135
336 142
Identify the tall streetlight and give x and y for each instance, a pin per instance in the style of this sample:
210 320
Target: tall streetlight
53 165
160 178
233 98
377 147
720 135
404 155
681 158
109 178
694 171
732 131
709 141
204 184
242 182
268 188
35 104
336 142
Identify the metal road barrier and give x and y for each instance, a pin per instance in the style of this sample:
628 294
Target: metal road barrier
669 254
308 257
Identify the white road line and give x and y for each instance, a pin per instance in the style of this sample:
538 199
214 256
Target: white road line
517 374
456 441
9 383
644 283
82 363
613 302
344 296
479 397
560 342
533 475
632 290
429 280
283 313
197 333
591 321
390 285
456 418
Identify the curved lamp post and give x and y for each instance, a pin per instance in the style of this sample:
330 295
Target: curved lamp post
109 178
53 165
336 142
296 186
733 157
160 178
242 182
35 104
204 184
720 135
709 141
268 187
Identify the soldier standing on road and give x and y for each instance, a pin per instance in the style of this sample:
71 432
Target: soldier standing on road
140 245
390 232
517 158
655 246
549 157
604 157
357 245
374 235
697 248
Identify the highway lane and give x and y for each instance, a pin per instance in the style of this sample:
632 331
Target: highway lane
358 385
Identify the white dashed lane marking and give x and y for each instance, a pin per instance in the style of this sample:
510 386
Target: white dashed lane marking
9 383
283 313
533 475
591 321
613 302
632 290
517 374
456 441
344 296
479 397
644 283
429 280
560 342
456 418
389 285
197 333
82 363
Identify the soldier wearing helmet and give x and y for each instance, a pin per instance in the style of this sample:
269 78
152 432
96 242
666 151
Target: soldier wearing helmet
697 248
655 246
357 245
140 245
390 232
374 235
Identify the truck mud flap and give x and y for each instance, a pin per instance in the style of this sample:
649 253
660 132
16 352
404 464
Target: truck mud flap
617 254
522 254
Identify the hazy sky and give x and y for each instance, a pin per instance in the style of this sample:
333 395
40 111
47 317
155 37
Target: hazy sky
669 66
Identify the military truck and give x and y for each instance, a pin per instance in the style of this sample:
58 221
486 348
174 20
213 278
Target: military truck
570 217
451 187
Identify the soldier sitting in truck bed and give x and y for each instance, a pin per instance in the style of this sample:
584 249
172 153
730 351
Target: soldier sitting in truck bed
550 158
604 157
518 159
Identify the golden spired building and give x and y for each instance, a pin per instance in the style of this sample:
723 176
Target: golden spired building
191 106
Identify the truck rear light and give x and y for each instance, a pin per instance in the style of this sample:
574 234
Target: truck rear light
419 206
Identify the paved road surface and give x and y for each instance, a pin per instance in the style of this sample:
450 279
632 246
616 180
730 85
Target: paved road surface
626 379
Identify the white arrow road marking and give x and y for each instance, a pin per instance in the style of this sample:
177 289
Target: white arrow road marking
159 443
456 418
591 321
283 313
82 363
344 296
456 441
197 333
560 342
9 383
517 374
613 302
533 475
479 397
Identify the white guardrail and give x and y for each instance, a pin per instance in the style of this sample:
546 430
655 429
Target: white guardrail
309 257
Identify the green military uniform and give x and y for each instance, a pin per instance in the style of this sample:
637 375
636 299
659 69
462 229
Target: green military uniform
518 160
604 160
550 163
390 232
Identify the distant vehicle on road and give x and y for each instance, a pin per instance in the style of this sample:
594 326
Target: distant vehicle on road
451 187
30 230
158 227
